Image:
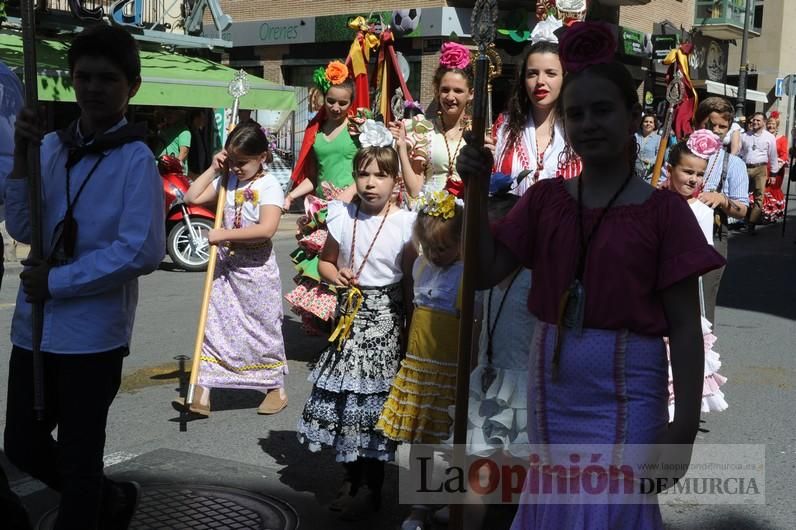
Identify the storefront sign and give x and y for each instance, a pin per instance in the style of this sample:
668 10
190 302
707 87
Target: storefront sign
290 31
662 45
634 43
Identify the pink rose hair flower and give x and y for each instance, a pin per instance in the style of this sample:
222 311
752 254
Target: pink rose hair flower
703 143
586 43
454 55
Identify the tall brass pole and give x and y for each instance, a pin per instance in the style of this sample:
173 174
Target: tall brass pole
28 13
484 21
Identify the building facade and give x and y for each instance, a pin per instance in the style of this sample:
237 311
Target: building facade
284 41
771 56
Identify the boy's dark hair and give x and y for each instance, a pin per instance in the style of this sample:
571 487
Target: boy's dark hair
713 104
110 42
249 140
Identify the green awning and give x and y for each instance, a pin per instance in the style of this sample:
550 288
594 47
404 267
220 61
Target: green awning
168 79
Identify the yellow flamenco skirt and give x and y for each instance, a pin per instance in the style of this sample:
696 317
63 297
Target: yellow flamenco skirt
416 410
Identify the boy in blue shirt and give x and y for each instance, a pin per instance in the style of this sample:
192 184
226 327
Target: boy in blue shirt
102 227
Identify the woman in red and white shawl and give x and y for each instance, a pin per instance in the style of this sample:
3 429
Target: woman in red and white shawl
530 141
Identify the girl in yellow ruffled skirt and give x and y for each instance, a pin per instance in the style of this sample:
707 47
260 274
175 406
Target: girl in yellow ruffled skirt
416 410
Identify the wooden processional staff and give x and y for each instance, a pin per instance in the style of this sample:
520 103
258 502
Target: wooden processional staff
238 88
28 12
484 22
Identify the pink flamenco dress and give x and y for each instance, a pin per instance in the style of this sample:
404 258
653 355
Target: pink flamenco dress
712 396
313 301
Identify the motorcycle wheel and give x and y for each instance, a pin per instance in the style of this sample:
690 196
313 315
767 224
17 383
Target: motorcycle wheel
180 250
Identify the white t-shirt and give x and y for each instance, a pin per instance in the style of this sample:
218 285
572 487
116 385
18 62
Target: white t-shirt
704 215
383 266
735 127
268 189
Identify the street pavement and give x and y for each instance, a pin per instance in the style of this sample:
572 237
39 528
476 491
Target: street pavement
237 448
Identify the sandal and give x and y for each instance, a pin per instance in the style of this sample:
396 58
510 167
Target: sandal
272 403
196 407
343 497
416 521
361 506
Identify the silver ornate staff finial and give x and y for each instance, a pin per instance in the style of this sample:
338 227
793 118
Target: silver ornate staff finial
237 88
484 23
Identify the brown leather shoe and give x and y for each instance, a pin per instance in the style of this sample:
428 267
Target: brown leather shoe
272 403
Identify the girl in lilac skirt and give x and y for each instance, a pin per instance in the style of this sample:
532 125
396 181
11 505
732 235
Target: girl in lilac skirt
243 345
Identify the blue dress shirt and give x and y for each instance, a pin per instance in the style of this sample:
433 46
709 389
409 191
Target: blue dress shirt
121 235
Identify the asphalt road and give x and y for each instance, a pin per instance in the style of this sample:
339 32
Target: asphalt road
235 447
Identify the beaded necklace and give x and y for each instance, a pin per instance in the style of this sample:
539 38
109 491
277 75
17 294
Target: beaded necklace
540 153
373 242
451 167
349 307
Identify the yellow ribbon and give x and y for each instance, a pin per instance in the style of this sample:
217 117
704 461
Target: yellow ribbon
358 24
676 55
360 54
349 311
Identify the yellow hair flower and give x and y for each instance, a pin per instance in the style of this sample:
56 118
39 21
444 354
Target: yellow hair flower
438 204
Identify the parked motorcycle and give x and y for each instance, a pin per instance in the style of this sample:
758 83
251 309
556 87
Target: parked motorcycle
187 226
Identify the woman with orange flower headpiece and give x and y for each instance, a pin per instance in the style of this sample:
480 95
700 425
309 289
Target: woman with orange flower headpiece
323 171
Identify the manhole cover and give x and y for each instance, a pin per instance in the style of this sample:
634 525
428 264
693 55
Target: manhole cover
183 507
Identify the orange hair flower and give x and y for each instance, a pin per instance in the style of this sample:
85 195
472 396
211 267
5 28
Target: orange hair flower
336 72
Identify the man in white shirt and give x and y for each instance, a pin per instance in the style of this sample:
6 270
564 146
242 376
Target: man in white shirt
759 151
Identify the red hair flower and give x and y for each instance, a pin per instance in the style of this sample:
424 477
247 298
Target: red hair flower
455 187
587 43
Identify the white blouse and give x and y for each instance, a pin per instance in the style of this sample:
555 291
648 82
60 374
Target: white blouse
437 287
383 266
268 189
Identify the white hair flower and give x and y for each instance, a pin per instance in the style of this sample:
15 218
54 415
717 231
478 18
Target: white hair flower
544 30
374 134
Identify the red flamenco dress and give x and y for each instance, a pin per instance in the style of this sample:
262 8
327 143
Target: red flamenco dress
773 198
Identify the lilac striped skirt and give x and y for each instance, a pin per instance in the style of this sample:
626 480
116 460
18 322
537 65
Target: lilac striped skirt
611 392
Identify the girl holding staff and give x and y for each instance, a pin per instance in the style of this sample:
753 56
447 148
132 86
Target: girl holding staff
243 345
598 376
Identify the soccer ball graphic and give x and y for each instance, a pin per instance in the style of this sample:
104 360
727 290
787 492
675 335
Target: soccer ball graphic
405 21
